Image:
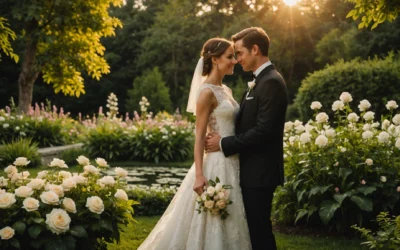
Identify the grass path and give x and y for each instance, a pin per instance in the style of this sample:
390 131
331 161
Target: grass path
135 234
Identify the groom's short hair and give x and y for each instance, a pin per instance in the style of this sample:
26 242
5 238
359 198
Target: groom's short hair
253 36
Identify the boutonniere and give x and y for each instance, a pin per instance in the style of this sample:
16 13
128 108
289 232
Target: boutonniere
250 85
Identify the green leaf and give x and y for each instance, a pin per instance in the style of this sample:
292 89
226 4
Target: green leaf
212 183
37 220
106 225
311 210
300 214
382 18
19 227
217 180
15 243
351 13
34 231
327 210
79 231
313 191
324 189
339 197
362 202
366 190
64 243
344 172
296 184
300 195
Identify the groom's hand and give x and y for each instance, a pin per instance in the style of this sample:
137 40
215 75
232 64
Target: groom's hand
212 142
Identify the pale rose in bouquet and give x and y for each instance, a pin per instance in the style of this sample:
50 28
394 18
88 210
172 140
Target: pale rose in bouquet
215 199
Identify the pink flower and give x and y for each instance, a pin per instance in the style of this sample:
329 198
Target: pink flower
398 189
363 182
337 190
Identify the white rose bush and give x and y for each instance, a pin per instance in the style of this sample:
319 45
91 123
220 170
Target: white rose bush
343 171
215 199
62 210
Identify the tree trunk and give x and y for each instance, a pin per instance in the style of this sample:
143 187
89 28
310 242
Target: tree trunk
29 73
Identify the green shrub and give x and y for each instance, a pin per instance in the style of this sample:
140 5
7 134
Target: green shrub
165 144
374 79
152 200
388 236
340 175
45 132
152 140
70 155
106 141
20 148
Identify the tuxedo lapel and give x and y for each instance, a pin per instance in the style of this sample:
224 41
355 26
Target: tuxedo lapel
257 80
240 109
263 73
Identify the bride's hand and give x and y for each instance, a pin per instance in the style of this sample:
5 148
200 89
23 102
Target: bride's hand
199 184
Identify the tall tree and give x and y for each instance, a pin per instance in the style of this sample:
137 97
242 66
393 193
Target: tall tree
173 44
62 39
152 86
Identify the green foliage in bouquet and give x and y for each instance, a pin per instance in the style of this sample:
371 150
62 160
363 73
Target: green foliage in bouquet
62 210
20 148
152 200
388 235
374 79
343 173
215 199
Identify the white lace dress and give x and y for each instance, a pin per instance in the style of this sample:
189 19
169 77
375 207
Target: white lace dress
181 227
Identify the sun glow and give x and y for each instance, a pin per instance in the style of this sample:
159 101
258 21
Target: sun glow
290 2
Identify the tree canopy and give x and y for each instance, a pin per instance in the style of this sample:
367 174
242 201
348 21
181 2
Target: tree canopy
62 39
374 12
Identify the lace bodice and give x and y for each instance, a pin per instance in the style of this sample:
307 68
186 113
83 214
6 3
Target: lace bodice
222 119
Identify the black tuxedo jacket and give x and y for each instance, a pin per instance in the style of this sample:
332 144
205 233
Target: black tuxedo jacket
259 132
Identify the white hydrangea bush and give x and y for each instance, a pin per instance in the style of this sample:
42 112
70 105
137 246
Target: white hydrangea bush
340 169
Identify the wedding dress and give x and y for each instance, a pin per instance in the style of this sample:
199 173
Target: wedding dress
181 227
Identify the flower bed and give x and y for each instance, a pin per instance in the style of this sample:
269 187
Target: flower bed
61 209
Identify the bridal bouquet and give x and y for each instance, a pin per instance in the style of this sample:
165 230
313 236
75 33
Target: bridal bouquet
215 199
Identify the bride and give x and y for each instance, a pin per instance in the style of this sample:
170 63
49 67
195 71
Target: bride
181 227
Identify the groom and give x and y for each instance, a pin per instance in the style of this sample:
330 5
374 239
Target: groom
259 135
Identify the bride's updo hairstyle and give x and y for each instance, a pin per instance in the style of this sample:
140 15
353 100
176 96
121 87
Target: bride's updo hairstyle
213 47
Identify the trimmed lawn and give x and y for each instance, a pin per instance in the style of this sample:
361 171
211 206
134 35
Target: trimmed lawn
135 234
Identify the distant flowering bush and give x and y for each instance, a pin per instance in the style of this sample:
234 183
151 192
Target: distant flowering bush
59 207
342 169
143 136
46 125
146 137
